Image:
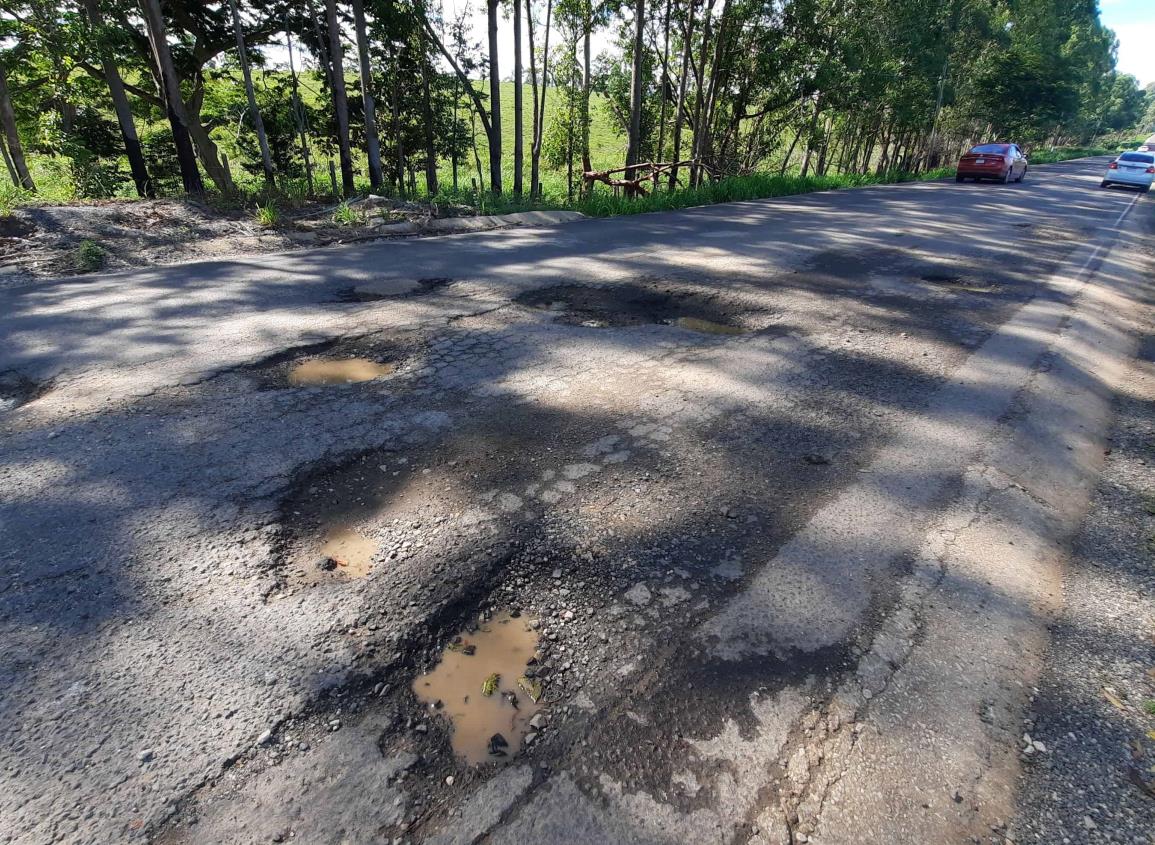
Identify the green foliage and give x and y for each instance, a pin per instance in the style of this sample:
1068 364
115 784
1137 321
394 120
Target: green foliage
346 215
267 215
90 256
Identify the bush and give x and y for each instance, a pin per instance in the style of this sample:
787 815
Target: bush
90 256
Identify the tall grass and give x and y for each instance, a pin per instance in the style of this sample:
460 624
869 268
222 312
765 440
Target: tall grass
737 188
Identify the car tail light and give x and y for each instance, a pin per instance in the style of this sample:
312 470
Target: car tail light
1113 165
1151 169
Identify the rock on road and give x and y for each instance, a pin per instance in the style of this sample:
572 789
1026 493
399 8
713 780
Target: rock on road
787 484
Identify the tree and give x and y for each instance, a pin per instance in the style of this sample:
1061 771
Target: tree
254 110
15 152
171 95
372 143
120 104
340 103
494 100
633 150
518 116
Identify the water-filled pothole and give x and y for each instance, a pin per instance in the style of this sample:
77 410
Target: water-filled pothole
332 362
484 684
624 305
17 390
338 371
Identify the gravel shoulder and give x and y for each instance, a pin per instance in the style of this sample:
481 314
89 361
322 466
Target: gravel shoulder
1090 760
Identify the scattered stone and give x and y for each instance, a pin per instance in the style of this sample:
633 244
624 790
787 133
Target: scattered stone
326 564
639 594
265 737
538 722
449 780
145 755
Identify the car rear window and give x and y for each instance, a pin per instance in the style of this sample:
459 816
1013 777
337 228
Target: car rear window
990 148
1141 158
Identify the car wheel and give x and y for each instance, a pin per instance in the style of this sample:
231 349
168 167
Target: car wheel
959 178
1104 184
1022 176
1007 176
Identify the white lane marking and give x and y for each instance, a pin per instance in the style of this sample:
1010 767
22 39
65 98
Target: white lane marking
1127 210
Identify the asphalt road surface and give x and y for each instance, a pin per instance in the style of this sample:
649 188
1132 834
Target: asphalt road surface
785 488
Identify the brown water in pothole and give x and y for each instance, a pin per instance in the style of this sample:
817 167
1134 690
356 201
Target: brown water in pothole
695 324
503 648
338 371
351 551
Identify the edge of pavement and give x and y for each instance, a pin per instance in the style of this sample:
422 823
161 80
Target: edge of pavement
935 711
980 494
444 227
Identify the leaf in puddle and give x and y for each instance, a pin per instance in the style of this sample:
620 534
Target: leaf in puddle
489 687
531 688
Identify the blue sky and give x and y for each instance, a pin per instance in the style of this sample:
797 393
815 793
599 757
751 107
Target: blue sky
1134 23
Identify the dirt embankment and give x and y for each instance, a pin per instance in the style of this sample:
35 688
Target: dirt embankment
38 242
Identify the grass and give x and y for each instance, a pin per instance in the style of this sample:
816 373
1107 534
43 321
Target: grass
267 215
346 215
607 150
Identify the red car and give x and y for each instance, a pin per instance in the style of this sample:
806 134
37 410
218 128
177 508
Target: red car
1003 162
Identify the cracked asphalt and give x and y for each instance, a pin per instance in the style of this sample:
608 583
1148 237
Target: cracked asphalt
786 487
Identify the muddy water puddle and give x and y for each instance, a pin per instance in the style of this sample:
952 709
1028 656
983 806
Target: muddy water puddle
323 371
481 685
623 305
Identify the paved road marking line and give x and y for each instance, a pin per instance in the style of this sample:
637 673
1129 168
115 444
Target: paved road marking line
1127 210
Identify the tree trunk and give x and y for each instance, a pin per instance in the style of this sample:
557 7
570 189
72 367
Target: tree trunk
398 139
15 151
494 100
717 66
258 123
587 163
665 81
518 116
174 105
539 117
120 105
679 117
8 163
206 148
634 146
340 103
299 113
372 142
431 186
699 93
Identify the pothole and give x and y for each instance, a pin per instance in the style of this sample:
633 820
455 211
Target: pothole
332 511
484 684
332 362
958 283
338 371
627 305
17 390
392 289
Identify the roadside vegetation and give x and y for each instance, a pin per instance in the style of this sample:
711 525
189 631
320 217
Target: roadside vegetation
256 107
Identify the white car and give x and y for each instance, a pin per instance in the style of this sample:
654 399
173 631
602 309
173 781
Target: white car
1135 170
1147 146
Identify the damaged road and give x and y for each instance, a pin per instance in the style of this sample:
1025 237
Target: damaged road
752 516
